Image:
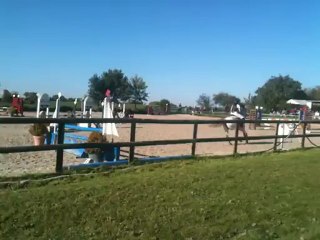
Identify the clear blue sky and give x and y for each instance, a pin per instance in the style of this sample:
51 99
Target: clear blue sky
180 48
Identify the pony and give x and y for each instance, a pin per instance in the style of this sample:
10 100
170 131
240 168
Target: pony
231 126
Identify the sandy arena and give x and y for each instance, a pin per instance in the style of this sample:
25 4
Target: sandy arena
43 162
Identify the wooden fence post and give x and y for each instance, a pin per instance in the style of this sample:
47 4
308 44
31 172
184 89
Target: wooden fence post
304 135
236 140
195 132
59 159
132 139
276 138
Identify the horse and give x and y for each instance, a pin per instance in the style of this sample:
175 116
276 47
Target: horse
232 126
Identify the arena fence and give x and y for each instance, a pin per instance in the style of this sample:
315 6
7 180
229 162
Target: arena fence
59 147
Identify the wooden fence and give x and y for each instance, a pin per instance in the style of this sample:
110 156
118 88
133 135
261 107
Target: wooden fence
59 147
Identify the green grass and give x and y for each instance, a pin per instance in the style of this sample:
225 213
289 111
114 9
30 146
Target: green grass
271 196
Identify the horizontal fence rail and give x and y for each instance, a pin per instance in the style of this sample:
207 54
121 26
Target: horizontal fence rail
16 149
62 122
19 120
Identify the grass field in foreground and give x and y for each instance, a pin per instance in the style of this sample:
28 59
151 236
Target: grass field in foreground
254 197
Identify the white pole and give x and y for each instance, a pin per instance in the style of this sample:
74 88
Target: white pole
110 127
104 125
84 113
47 112
56 112
58 107
38 104
75 106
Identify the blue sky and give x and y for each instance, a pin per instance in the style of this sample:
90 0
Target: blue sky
181 48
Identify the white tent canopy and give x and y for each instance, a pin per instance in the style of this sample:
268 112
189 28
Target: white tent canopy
300 102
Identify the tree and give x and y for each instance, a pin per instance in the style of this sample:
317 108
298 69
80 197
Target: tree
115 81
224 99
55 97
313 93
138 89
31 97
250 101
277 90
164 104
6 96
204 102
154 103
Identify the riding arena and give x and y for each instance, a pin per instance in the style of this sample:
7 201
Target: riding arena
209 137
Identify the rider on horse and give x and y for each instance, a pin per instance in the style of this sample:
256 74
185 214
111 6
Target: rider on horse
238 110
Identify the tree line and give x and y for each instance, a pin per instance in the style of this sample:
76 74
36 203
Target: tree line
273 95
123 89
29 97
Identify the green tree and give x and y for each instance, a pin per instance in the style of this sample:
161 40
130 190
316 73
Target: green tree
224 99
6 96
204 102
250 101
313 93
115 81
30 97
55 97
138 89
16 93
164 104
277 90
